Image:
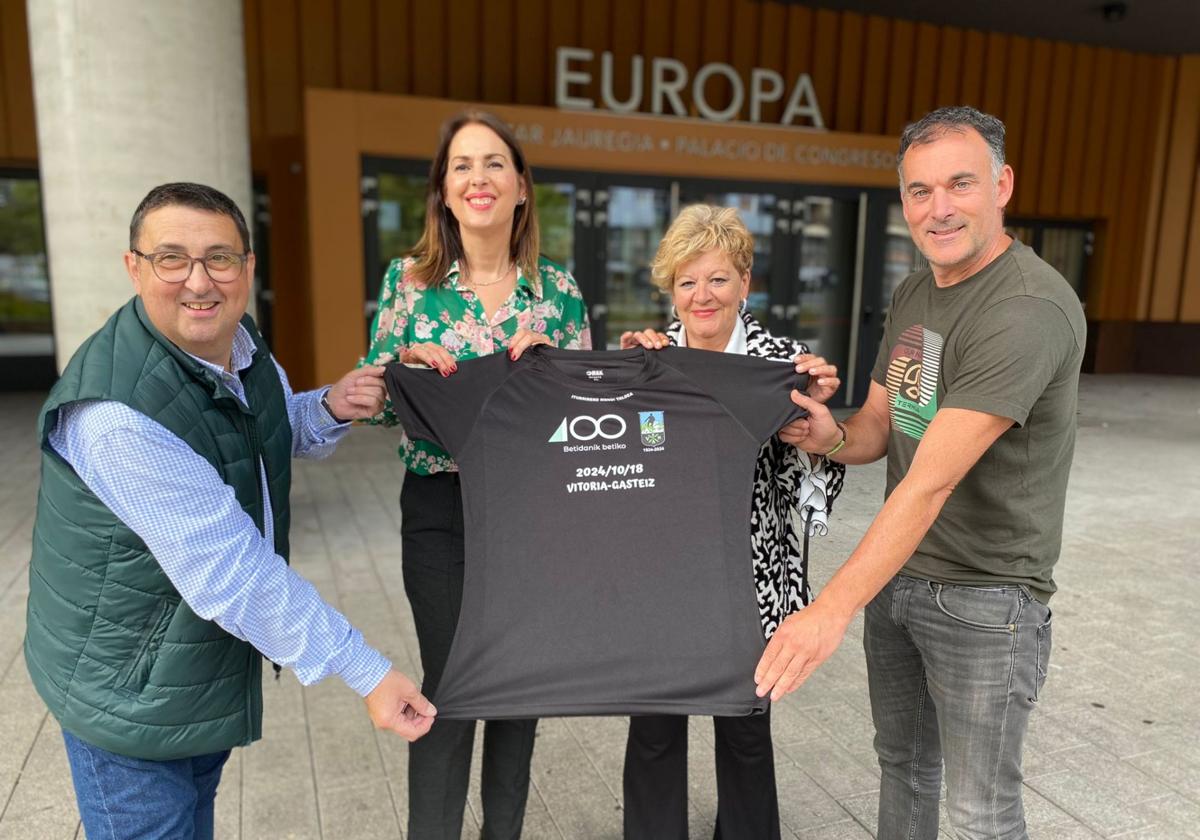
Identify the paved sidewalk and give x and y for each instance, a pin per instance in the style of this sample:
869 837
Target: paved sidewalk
1114 750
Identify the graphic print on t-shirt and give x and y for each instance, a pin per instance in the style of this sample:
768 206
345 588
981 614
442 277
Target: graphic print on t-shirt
912 378
654 428
587 427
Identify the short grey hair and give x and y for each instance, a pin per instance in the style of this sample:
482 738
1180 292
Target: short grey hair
956 118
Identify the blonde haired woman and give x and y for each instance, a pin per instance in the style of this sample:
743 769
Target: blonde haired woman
703 264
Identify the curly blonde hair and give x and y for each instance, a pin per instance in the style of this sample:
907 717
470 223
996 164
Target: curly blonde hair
698 229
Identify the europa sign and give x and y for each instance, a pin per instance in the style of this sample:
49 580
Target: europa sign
669 83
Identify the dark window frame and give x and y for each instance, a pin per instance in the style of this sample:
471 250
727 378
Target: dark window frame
1039 226
32 373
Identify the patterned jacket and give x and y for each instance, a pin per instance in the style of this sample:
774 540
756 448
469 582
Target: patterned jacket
787 491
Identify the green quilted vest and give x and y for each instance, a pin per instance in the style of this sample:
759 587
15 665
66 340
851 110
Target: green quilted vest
117 656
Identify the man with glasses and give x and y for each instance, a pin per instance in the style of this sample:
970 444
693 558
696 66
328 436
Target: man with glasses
159 569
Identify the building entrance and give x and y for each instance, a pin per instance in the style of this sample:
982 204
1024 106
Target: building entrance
816 250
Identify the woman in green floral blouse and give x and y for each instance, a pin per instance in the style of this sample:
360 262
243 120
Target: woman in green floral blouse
472 286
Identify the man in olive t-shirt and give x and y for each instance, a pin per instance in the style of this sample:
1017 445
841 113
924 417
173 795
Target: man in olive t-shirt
973 401
1006 341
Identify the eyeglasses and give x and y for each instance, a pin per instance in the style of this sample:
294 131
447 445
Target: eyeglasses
174 267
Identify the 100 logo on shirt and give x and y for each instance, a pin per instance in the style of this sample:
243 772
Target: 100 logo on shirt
586 427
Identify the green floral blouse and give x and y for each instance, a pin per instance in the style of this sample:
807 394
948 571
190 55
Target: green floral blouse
452 316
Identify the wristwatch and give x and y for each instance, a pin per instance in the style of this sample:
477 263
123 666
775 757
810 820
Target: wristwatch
339 420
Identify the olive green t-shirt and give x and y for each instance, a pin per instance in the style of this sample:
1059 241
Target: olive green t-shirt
1006 341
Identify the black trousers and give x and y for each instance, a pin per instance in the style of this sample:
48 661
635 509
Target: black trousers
439 764
656 778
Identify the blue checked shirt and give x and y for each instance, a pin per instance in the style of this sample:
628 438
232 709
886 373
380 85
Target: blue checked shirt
211 550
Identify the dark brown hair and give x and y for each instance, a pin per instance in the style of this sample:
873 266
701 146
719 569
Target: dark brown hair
441 242
194 196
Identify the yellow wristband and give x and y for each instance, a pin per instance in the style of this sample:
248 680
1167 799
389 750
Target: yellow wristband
840 443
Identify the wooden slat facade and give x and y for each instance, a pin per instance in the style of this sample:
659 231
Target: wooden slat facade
1087 126
18 137
1095 134
1033 137
1161 78
875 77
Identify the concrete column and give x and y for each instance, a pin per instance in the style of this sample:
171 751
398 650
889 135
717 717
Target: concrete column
129 95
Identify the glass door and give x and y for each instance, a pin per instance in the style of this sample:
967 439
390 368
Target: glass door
555 202
806 257
393 207
820 312
803 280
630 220
889 257
564 201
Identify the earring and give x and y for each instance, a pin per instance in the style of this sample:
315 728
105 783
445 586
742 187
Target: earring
742 306
521 200
674 314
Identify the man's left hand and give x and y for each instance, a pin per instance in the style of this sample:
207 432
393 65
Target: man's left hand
815 434
823 383
804 640
358 395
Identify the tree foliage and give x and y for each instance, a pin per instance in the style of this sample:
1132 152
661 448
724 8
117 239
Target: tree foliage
20 217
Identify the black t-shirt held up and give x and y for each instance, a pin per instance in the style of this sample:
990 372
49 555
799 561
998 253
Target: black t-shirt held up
606 500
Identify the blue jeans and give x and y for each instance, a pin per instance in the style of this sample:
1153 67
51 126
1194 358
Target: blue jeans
954 672
122 798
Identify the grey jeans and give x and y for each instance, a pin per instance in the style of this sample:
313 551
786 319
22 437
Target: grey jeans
954 672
